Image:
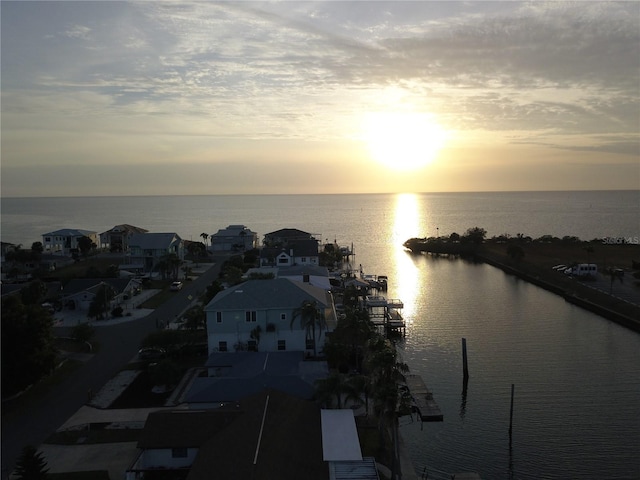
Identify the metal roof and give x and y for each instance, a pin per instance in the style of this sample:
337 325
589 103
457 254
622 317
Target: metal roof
339 435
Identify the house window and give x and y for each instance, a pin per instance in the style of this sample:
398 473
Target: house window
222 346
250 316
310 344
218 317
303 259
283 316
179 452
282 344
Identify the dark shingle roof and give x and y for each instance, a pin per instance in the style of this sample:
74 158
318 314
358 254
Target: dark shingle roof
283 437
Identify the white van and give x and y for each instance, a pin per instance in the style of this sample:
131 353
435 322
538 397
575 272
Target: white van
583 270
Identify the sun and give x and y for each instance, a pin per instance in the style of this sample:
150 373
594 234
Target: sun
403 140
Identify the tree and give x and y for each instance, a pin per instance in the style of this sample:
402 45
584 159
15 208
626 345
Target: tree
194 318
310 317
204 236
82 332
31 465
37 248
334 386
85 245
101 303
28 344
33 293
475 235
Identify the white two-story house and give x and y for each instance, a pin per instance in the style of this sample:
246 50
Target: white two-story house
65 241
234 238
146 250
261 315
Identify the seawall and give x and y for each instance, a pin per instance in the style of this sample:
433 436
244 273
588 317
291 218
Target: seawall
580 299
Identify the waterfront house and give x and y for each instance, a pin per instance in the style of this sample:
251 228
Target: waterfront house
303 252
266 435
117 239
234 238
286 237
147 250
65 241
312 274
234 315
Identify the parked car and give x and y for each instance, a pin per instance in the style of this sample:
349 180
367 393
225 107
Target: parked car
151 353
175 286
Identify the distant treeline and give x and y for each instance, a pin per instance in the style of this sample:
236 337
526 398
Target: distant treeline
467 244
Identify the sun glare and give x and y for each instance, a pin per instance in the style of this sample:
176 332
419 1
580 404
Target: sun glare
403 140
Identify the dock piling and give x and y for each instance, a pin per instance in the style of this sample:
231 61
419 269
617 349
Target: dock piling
465 367
511 414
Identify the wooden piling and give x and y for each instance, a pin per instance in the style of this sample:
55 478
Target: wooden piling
465 367
511 414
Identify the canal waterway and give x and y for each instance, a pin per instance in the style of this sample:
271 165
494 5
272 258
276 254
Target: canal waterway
576 375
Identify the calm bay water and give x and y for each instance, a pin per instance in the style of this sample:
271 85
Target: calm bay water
576 375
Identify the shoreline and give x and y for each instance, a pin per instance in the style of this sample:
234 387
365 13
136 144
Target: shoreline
580 296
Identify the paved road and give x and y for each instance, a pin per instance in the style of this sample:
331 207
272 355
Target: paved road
32 424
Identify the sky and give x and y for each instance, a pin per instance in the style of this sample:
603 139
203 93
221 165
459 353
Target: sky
284 97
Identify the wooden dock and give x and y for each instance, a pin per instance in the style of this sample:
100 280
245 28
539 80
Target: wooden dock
427 408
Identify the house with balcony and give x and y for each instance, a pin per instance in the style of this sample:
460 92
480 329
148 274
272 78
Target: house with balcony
286 237
65 241
117 239
258 315
236 238
147 250
303 252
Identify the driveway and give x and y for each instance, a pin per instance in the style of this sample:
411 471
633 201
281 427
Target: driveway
119 342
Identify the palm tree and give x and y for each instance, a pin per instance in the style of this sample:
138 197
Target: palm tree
31 465
310 316
334 386
204 236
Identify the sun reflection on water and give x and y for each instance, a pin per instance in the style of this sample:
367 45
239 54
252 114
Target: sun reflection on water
408 222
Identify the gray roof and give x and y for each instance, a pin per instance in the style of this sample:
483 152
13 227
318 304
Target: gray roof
241 374
77 285
70 232
276 437
154 241
267 294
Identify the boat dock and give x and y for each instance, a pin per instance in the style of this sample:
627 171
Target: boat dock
386 313
427 408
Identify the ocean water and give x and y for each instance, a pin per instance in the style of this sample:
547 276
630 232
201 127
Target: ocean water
576 375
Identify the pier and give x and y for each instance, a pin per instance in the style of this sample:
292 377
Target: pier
426 406
386 313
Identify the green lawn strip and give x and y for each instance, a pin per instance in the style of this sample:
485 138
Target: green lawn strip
89 475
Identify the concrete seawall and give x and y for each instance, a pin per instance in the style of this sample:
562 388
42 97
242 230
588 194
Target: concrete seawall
603 311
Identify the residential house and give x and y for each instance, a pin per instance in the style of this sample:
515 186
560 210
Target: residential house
147 250
267 435
65 241
303 252
80 292
235 313
234 238
286 237
312 274
117 239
